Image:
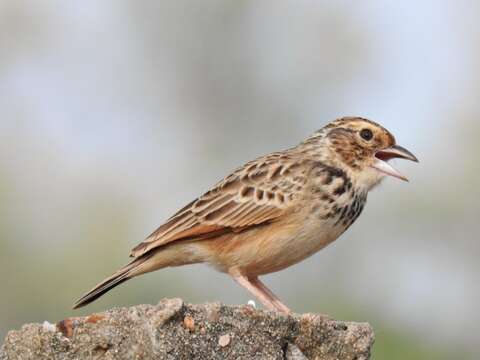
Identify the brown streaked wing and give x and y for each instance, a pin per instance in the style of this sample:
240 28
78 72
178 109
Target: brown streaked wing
257 193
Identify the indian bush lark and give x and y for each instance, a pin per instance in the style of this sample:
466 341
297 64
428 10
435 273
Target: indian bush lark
274 211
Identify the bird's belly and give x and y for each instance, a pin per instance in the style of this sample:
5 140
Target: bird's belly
269 249
283 252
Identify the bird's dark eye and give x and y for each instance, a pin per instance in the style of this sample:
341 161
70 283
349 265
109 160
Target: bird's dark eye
366 134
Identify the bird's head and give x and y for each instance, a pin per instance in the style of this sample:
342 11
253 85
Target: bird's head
361 147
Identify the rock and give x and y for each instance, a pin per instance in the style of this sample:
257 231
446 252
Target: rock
174 330
294 353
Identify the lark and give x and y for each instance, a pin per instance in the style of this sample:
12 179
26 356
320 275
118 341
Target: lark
274 211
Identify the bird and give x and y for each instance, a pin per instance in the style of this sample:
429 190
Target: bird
274 211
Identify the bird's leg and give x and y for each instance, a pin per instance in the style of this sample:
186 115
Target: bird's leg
255 291
260 291
278 304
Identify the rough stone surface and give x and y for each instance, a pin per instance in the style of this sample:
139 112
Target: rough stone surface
174 330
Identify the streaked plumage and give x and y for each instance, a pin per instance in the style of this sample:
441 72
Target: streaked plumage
274 211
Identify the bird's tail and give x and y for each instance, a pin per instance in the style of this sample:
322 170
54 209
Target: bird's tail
127 272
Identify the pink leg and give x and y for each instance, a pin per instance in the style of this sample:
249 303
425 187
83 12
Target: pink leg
255 291
260 291
278 304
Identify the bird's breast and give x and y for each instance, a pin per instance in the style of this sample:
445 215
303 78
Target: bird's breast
280 244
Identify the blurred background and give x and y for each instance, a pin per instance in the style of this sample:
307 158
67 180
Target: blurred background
114 114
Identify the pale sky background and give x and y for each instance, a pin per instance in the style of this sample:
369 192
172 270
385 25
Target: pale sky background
115 114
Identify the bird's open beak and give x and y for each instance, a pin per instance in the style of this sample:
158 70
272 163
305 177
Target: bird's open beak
395 152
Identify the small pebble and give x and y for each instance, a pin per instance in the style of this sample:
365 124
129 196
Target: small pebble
224 340
213 312
189 323
252 304
49 327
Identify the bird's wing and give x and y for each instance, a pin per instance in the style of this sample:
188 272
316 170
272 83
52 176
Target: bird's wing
259 192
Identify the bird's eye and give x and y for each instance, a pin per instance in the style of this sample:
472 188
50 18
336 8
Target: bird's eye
366 134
